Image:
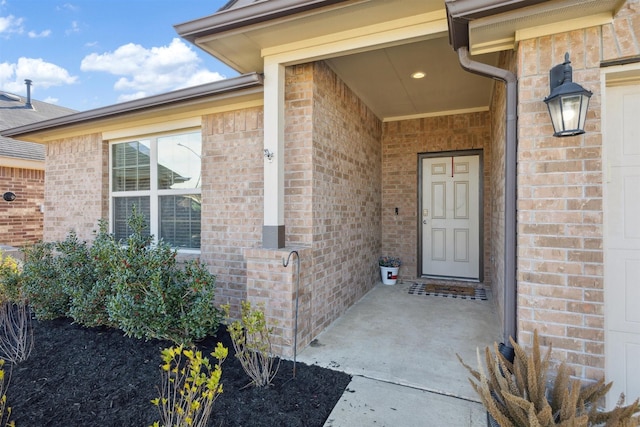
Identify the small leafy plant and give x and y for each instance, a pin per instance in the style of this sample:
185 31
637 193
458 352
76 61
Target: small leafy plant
190 386
516 395
251 338
16 332
385 261
5 411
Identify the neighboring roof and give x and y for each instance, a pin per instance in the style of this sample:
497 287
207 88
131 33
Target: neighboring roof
13 113
221 89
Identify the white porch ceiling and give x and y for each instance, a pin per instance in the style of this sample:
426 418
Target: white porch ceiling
382 79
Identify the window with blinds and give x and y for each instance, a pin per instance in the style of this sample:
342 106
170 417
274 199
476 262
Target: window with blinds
161 177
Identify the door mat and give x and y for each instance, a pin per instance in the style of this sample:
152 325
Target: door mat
448 291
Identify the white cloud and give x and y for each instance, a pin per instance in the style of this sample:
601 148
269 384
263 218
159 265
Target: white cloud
11 24
145 72
34 35
75 28
43 74
51 100
68 6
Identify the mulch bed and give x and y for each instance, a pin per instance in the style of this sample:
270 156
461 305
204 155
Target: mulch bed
78 376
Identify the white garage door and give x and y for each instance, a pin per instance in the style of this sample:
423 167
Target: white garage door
622 240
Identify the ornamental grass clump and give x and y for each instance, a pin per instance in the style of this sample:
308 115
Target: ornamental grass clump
251 338
16 331
516 394
190 386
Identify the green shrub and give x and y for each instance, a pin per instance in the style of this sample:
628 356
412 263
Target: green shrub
251 338
153 297
88 292
134 285
189 387
41 282
10 280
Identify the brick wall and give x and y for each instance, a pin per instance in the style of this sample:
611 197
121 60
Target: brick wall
77 187
21 220
232 197
346 198
274 286
560 256
402 142
332 208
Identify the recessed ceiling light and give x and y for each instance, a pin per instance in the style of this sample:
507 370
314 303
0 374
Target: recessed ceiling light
418 75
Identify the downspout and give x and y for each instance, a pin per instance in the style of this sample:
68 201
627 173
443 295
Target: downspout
510 291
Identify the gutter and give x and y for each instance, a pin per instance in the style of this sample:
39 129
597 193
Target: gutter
459 13
510 313
232 16
217 88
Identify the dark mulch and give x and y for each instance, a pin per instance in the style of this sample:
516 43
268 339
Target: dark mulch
97 377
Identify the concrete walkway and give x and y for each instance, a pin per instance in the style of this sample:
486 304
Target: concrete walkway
401 351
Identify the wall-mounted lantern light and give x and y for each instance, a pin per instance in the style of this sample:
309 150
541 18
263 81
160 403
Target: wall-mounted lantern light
567 102
9 196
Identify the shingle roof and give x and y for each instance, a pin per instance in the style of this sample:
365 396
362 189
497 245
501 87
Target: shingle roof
13 113
234 4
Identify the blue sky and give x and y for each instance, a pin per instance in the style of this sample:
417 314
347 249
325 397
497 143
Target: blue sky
85 54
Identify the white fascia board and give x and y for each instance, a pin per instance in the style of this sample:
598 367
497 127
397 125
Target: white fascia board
564 26
419 27
13 162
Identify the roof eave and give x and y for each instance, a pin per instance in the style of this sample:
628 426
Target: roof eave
220 87
461 12
256 13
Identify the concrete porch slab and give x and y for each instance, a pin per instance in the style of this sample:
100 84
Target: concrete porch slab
402 348
369 403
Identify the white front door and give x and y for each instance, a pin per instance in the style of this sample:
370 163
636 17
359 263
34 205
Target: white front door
450 217
622 241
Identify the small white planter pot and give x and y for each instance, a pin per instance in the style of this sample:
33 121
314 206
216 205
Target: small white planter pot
389 275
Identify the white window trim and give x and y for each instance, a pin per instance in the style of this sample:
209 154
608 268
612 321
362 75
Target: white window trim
154 225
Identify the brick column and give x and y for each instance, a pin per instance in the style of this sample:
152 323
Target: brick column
272 284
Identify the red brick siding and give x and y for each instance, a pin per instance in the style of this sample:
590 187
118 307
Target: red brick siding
21 220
